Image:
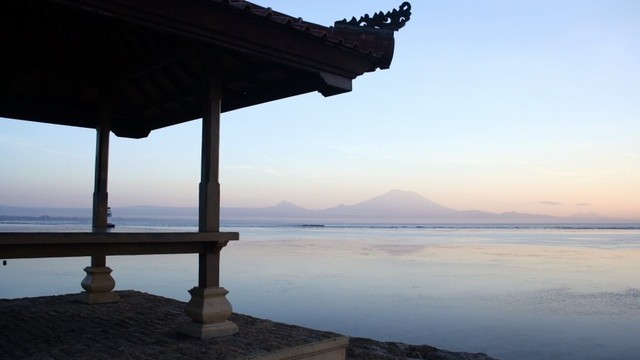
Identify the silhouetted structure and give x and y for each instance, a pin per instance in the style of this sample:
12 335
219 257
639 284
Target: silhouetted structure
133 66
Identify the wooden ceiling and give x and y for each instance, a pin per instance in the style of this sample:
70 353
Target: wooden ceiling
141 63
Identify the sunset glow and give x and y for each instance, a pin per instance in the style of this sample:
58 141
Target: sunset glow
499 106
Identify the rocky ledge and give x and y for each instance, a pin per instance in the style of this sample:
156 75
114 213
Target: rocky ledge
367 349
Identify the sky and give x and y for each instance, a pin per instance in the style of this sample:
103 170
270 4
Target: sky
494 105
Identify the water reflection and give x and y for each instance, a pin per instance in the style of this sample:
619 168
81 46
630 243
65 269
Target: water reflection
512 293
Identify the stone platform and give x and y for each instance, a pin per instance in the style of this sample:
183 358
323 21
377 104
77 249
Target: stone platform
143 326
139 326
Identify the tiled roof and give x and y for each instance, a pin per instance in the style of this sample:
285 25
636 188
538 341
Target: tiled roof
143 61
357 38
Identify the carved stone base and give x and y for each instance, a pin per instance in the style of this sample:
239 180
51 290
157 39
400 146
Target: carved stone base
207 331
99 298
209 310
98 285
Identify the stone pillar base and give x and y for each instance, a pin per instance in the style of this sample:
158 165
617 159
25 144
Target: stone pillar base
207 331
98 285
98 298
209 310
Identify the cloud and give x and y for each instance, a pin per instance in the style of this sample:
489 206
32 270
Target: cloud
553 203
583 204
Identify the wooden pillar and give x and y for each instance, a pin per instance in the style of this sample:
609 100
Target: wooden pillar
209 308
100 195
209 200
98 283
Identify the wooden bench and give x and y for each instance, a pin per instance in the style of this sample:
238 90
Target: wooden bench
14 245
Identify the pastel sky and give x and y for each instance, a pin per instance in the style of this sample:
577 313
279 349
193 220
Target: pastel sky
529 105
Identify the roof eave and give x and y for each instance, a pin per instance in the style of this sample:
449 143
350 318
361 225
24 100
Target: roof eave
217 24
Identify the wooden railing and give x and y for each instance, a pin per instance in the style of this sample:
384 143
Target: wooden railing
15 245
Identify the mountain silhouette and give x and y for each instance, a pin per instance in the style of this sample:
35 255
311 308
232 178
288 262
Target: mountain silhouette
395 206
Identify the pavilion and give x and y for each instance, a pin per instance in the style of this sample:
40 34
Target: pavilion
134 66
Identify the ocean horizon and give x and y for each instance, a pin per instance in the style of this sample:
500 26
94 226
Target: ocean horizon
513 291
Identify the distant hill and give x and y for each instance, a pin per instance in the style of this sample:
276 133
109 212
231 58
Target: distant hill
395 206
17 211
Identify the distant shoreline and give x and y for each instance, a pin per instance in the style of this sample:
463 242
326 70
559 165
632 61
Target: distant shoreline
43 218
240 223
393 207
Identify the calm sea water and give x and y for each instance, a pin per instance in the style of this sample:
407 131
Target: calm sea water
511 291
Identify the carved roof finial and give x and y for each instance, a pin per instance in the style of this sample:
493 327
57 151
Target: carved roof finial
393 20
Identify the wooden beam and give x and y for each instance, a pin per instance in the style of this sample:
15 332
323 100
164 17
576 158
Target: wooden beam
34 245
41 238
